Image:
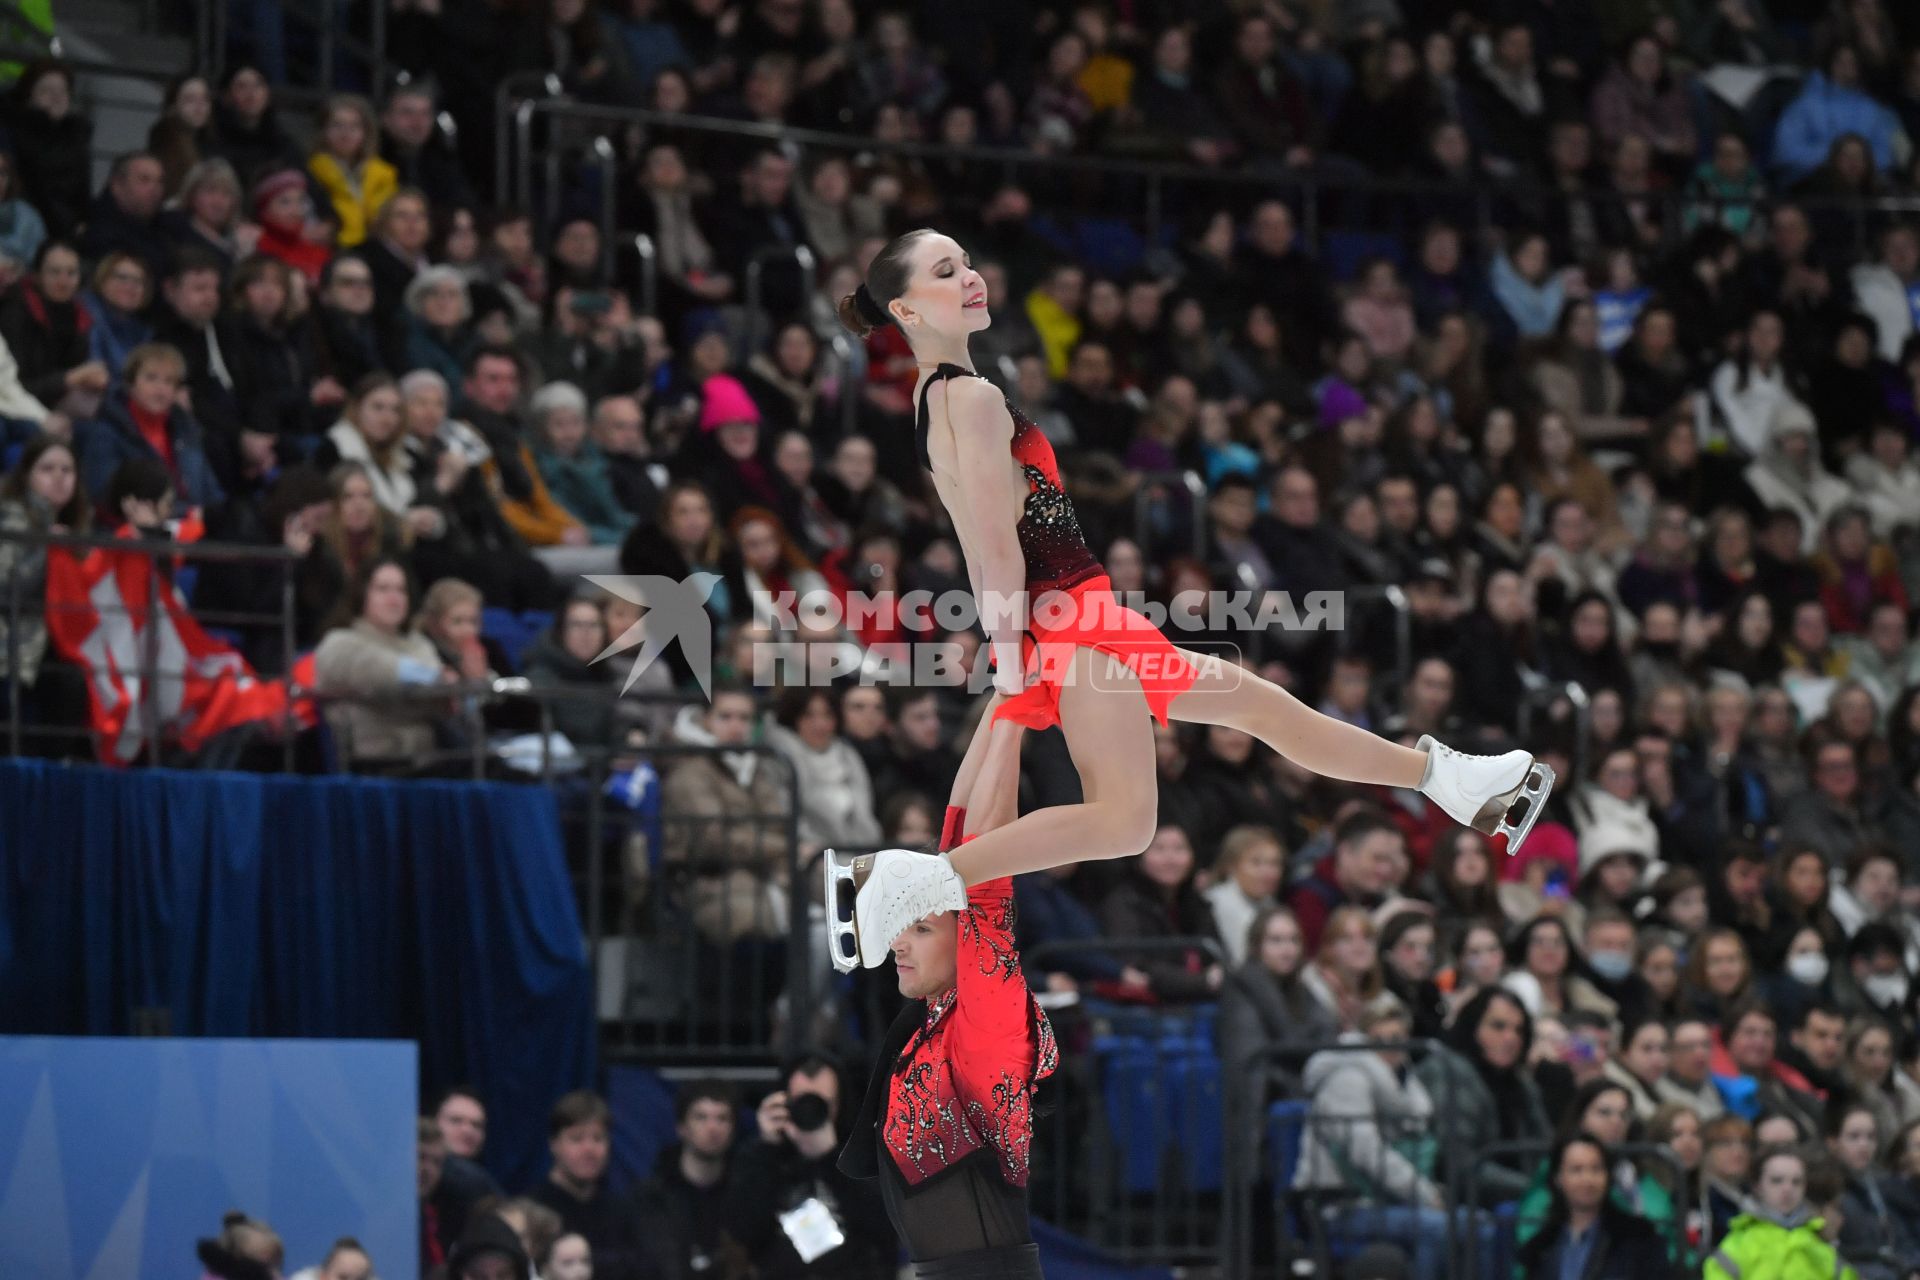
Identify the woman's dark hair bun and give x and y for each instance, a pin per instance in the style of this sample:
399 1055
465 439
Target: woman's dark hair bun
850 316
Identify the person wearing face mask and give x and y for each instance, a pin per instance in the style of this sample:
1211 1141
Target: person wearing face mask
1609 940
1802 979
1875 980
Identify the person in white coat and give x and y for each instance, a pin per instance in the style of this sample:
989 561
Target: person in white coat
1369 1142
1883 289
1788 474
1246 879
836 795
1748 388
1888 480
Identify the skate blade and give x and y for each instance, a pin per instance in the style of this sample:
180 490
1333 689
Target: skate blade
1524 807
844 876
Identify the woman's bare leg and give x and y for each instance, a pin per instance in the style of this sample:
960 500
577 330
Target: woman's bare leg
1228 694
1109 734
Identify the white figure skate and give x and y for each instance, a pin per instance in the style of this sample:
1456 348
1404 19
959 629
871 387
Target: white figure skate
1495 795
871 899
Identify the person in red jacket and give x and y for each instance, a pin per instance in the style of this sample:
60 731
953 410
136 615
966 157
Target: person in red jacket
947 1124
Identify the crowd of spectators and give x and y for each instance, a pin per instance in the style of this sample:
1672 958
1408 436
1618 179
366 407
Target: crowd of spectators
1585 324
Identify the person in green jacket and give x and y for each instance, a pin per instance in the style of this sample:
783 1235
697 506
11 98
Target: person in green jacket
1780 1236
1604 1109
574 468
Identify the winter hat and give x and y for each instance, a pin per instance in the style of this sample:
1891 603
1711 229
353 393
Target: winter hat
274 184
1618 833
1549 841
1790 416
1340 402
724 400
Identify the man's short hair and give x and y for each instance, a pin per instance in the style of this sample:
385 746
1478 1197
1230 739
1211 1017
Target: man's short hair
1740 1011
190 260
126 161
582 1106
1362 823
491 351
708 1090
1818 1008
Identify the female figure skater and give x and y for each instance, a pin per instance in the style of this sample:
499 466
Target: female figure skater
948 1119
1093 667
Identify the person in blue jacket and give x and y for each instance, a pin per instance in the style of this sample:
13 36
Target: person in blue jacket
1831 103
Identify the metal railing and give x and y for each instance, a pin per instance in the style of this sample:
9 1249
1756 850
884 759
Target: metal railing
323 20
1148 189
18 609
1295 1218
1126 1154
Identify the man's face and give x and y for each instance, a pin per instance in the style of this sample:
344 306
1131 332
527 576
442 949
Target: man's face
1822 1040
1297 499
580 1151
923 956
1399 506
1273 228
494 384
707 1129
195 297
1836 774
463 1125
1690 1053
409 118
1233 509
140 187
618 427
1366 865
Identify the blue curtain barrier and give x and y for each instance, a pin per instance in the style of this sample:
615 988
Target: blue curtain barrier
242 905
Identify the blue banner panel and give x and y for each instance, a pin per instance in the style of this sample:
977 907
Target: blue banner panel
325 908
117 1155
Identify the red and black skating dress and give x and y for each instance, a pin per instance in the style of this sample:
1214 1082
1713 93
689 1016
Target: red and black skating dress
1070 601
947 1124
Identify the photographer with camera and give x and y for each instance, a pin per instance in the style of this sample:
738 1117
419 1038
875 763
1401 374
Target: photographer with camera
791 1208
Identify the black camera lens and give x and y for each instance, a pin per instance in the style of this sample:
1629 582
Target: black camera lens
808 1111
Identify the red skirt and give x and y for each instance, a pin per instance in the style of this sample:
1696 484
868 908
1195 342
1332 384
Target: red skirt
1088 616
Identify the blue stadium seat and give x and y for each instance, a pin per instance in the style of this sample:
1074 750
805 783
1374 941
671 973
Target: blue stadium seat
1192 1072
1286 1128
1136 1111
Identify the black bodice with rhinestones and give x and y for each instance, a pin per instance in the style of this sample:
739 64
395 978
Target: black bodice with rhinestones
1056 551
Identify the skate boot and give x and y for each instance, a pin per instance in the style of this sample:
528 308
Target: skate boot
871 899
1495 795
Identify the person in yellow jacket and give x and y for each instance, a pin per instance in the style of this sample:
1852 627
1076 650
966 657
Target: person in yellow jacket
1054 311
1780 1236
348 165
